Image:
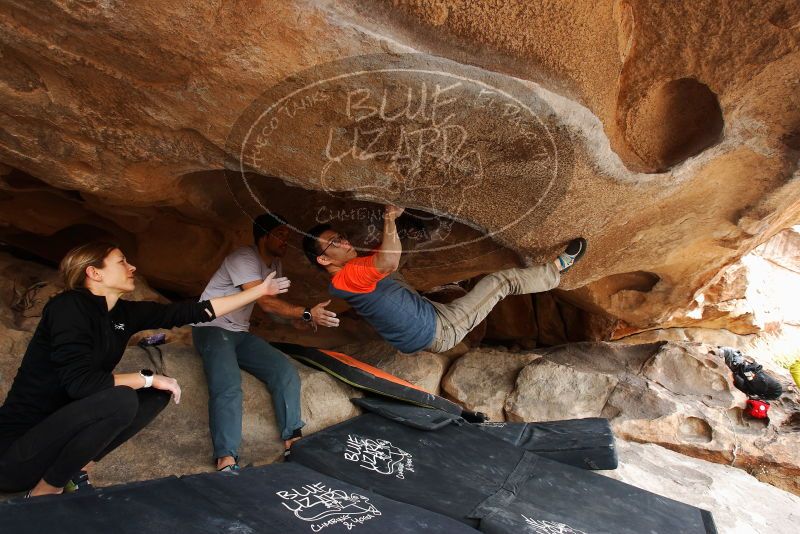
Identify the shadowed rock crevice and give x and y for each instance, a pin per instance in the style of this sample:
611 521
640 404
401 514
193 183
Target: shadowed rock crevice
673 122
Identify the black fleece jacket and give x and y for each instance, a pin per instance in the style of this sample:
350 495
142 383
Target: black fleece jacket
75 348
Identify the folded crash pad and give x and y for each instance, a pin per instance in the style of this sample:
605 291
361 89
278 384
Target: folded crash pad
586 443
280 499
364 376
420 417
469 475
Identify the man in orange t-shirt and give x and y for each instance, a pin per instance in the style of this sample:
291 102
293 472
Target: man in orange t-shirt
403 317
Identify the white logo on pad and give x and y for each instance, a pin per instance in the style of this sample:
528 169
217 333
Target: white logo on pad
541 526
378 455
324 506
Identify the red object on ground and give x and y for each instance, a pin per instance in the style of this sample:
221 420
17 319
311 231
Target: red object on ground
757 408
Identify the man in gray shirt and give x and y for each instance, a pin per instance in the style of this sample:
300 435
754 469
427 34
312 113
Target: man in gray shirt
226 345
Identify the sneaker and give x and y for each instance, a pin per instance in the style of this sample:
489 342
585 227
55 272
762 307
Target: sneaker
574 251
79 482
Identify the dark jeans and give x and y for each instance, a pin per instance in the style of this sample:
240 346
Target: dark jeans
224 353
84 430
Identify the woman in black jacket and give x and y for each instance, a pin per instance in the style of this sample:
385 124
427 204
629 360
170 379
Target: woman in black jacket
66 408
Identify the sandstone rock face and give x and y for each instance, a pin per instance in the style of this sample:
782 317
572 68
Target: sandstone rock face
669 145
739 502
749 305
677 395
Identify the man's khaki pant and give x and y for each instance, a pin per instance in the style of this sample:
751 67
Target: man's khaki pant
456 319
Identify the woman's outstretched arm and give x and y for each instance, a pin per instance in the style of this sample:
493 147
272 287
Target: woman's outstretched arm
270 286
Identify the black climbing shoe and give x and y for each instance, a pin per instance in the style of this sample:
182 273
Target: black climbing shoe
574 251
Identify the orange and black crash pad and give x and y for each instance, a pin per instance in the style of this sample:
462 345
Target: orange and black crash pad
369 378
279 499
469 475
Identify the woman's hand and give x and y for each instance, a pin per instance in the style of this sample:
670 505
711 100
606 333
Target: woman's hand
274 286
165 383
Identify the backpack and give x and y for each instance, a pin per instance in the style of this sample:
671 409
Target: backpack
750 377
752 380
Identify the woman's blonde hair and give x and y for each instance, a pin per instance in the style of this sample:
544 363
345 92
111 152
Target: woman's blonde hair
73 266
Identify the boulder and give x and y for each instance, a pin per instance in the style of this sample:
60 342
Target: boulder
546 391
423 369
481 380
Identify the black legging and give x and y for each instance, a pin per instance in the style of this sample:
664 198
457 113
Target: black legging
82 431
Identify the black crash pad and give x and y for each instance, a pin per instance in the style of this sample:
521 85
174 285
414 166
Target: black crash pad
280 499
291 498
419 417
163 505
465 473
586 443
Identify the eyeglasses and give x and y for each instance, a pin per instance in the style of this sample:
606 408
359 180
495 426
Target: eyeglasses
336 242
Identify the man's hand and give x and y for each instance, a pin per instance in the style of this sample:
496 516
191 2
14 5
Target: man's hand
274 286
166 383
322 317
392 212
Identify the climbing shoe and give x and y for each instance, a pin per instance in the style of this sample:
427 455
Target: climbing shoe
79 482
229 468
574 251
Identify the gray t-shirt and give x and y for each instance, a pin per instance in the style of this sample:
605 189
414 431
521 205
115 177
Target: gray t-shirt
239 267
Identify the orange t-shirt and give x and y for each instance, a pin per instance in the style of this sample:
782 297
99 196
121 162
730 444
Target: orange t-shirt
358 275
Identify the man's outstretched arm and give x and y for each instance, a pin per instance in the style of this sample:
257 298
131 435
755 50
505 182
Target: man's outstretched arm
388 257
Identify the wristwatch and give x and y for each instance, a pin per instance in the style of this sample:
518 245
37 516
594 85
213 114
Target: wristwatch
148 375
307 315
